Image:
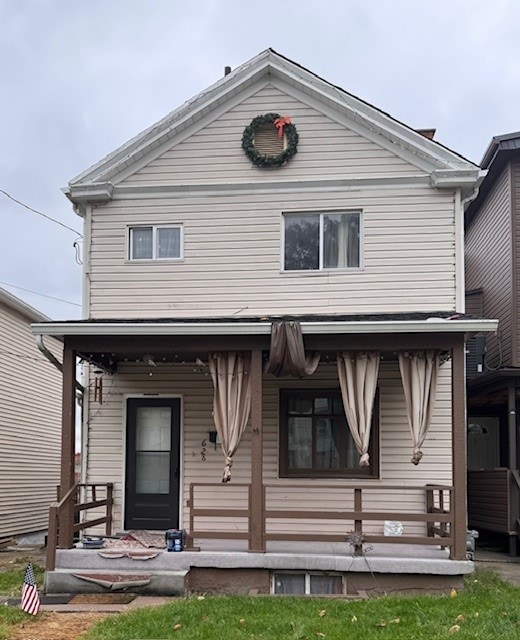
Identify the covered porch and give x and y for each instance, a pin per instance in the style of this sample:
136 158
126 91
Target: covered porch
262 513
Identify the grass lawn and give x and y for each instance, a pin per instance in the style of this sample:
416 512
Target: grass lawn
487 608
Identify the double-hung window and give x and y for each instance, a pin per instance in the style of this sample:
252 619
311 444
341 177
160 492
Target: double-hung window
315 440
322 240
158 242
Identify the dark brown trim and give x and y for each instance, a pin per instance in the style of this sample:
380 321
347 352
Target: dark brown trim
380 342
68 445
514 265
458 399
256 500
371 472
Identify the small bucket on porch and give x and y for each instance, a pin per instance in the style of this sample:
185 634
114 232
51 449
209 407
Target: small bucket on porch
174 539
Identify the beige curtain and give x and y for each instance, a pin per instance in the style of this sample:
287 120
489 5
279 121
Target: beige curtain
287 353
231 402
357 372
419 373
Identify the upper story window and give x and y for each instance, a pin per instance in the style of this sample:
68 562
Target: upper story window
156 242
316 241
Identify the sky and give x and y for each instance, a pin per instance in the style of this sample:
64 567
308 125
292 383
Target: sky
81 77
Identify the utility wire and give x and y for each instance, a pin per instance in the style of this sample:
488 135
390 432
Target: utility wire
22 204
8 284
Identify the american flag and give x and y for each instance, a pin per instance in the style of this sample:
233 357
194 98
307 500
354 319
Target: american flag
30 598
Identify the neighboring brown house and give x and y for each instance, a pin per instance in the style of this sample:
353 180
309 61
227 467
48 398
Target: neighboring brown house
492 290
30 419
275 206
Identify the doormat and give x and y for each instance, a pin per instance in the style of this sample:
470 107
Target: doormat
53 598
102 598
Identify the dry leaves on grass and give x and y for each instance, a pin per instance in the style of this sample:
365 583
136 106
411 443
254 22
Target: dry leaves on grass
55 626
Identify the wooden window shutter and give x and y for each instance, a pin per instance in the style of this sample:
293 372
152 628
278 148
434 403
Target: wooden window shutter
267 141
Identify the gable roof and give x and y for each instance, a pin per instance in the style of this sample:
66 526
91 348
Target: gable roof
446 168
22 307
500 151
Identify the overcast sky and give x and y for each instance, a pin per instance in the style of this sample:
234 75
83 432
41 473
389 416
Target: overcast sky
81 77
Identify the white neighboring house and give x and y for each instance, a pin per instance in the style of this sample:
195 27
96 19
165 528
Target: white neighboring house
30 422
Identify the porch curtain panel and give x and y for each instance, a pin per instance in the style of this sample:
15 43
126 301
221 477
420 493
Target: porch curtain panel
357 373
230 372
419 374
287 352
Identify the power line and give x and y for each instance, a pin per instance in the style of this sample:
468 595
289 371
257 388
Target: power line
22 204
8 284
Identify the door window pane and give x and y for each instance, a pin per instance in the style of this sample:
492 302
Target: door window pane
153 444
153 429
152 472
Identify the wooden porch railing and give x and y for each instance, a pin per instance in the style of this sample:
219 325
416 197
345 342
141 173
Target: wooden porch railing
62 521
437 515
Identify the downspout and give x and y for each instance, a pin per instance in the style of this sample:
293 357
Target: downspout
461 204
53 360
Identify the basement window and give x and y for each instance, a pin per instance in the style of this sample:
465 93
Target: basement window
301 584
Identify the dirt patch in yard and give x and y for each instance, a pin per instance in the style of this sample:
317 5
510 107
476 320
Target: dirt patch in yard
56 626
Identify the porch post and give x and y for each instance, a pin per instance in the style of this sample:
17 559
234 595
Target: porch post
513 466
68 423
458 400
256 497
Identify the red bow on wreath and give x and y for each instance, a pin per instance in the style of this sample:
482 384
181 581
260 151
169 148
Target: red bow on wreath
280 123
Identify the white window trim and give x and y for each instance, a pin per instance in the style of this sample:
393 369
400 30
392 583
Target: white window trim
307 578
321 269
154 228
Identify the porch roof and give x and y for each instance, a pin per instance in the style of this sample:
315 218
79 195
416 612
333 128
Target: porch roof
444 323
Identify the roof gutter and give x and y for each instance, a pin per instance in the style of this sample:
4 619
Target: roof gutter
431 325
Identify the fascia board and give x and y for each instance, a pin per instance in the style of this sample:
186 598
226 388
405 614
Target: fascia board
381 122
435 325
156 134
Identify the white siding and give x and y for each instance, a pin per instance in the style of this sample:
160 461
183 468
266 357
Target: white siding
30 427
106 440
233 248
326 149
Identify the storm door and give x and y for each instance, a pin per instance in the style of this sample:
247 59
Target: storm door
152 463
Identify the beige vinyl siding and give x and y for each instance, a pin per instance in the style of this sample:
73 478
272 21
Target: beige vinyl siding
233 256
30 427
326 149
106 445
488 266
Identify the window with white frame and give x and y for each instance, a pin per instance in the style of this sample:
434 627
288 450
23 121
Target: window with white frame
322 240
307 583
158 242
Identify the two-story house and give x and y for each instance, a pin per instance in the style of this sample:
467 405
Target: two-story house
492 283
274 288
30 423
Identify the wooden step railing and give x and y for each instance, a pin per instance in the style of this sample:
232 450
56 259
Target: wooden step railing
63 515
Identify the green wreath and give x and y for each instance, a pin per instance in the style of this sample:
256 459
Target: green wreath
260 159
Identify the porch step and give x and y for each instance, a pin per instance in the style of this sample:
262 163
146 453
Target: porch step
154 582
